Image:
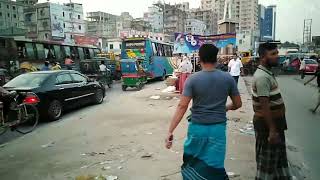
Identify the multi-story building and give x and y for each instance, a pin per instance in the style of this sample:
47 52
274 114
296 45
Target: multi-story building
11 18
184 6
50 21
208 16
267 22
248 16
195 26
155 17
102 24
174 20
216 5
140 24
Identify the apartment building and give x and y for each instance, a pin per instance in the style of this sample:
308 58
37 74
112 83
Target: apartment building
208 16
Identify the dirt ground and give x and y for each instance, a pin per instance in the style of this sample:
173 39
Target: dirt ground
123 137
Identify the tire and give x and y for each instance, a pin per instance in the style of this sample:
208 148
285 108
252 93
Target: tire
98 97
140 86
163 78
124 87
54 110
30 120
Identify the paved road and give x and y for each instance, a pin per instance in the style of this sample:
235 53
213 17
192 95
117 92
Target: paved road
304 127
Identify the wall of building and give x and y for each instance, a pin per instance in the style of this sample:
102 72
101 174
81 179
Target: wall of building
209 17
155 17
11 18
195 26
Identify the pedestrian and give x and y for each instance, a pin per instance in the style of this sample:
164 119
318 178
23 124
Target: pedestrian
235 67
68 62
102 67
185 69
317 75
55 66
269 118
205 146
46 66
302 68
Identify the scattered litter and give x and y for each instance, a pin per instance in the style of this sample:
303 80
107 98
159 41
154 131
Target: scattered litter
50 144
102 153
171 106
232 174
84 167
242 112
232 158
112 177
106 162
149 133
147 156
122 161
155 97
248 129
121 155
235 119
158 88
87 177
106 167
120 167
169 89
175 98
292 148
151 104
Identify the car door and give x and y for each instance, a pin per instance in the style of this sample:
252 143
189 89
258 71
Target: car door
82 87
65 88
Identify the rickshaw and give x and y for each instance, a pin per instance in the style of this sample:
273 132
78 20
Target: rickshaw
133 74
90 67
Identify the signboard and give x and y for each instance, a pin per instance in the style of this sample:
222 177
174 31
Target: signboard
56 21
188 43
85 40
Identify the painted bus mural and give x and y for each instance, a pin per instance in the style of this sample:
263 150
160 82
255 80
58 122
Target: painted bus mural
155 56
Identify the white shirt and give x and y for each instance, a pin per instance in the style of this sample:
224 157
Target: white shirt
185 66
103 68
235 66
302 65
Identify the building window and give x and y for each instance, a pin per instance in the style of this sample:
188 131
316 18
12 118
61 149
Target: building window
79 17
0 14
46 35
111 46
14 16
8 7
71 36
45 24
8 14
119 46
41 12
64 25
0 5
16 24
70 15
79 27
63 14
13 7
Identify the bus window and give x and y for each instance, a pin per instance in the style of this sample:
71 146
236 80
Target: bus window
154 49
57 52
96 52
40 51
81 53
86 53
67 51
30 50
91 53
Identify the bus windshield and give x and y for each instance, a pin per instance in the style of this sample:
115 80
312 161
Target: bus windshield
134 49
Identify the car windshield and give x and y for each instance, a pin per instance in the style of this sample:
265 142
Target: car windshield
310 61
28 80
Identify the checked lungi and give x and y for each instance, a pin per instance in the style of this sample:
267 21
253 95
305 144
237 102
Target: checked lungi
272 162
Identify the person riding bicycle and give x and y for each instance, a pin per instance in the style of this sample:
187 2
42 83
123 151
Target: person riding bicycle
6 99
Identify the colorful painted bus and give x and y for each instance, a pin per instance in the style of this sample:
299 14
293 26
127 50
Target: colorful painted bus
154 56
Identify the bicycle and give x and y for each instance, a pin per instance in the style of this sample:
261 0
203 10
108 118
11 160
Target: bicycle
22 116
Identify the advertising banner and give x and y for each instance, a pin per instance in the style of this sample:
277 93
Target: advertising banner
56 21
85 40
188 43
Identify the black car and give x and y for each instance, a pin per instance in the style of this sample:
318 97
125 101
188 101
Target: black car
58 90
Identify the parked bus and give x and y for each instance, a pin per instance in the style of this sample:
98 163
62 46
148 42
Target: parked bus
154 56
36 52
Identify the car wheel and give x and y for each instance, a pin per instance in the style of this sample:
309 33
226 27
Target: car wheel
98 97
163 78
54 110
124 87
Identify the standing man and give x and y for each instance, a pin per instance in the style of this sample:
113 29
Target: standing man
46 66
235 67
102 67
302 68
68 62
269 119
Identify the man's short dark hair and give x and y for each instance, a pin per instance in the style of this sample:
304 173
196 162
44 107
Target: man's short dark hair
208 53
264 47
102 62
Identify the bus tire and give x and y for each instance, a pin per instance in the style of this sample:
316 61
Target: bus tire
164 75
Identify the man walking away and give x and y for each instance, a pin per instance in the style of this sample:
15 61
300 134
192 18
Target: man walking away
102 67
68 62
269 119
235 67
317 75
302 68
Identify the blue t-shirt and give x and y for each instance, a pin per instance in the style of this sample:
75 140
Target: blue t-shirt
209 91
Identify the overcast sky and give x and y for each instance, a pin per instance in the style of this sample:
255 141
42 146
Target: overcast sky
290 13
